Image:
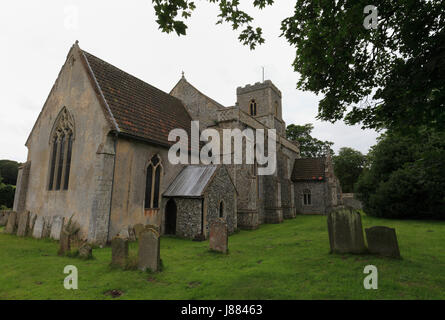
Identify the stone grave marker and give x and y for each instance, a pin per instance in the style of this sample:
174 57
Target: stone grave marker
56 227
38 227
4 215
149 250
46 227
32 221
383 241
345 231
119 251
11 226
23 224
64 243
86 251
219 240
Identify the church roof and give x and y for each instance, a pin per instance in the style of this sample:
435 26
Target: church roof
309 169
137 109
191 181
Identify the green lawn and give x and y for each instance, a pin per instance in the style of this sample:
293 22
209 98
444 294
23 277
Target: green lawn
285 261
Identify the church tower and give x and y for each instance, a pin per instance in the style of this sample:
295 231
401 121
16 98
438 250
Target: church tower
263 102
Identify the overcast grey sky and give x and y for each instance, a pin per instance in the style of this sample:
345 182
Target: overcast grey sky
35 37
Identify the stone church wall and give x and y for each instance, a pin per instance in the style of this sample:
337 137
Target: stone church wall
72 90
319 193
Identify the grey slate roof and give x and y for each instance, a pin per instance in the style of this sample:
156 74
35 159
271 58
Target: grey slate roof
191 181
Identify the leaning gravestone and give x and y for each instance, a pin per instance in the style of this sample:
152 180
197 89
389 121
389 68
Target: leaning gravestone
4 215
32 220
119 251
23 224
38 227
12 223
219 240
46 227
57 226
86 251
149 250
64 243
345 231
383 241
138 228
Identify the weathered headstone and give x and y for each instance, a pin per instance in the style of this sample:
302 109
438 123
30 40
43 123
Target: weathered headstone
23 224
32 221
131 234
4 215
64 243
57 226
11 226
138 228
119 251
219 240
86 251
345 231
124 233
38 227
47 227
149 250
383 241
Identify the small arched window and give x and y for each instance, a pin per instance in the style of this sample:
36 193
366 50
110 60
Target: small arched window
153 183
307 200
61 150
253 107
221 209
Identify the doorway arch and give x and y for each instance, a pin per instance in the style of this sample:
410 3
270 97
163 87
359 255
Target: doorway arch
170 217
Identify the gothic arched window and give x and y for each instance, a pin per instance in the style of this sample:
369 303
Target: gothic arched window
153 183
61 141
253 107
307 201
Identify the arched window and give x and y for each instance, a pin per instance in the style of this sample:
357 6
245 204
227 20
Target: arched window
253 107
221 209
62 137
307 201
153 183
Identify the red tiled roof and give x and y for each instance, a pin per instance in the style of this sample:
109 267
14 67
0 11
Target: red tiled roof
309 169
139 109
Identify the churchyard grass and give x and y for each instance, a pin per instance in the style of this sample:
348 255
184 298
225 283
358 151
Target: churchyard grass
283 261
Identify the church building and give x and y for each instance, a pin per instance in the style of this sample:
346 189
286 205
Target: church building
98 152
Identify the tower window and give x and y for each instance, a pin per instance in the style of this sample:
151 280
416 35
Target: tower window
253 108
307 201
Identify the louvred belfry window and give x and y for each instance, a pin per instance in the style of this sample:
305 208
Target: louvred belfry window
62 137
153 183
253 108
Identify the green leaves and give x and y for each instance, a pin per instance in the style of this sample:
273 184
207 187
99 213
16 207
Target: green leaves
309 147
168 11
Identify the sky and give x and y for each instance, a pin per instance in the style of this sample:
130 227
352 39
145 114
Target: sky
35 37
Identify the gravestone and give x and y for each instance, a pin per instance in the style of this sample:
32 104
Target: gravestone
64 243
56 227
149 250
38 227
345 231
11 226
23 224
131 234
219 240
46 227
383 241
119 251
4 215
138 228
124 233
32 221
86 251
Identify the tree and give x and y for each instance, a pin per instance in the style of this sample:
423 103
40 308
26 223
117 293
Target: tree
392 76
9 170
406 177
348 165
310 147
